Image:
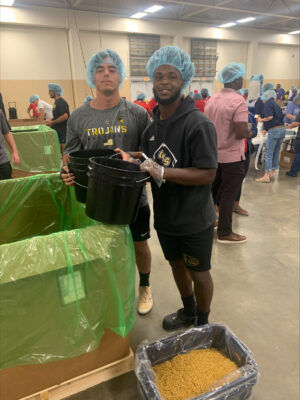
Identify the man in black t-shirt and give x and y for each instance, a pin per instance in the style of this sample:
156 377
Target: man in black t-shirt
61 114
182 148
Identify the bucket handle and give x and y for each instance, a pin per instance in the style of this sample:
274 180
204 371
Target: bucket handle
143 180
76 183
114 155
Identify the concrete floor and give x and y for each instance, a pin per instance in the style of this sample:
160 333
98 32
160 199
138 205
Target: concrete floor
256 292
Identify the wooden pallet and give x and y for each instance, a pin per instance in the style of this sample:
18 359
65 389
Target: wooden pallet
85 381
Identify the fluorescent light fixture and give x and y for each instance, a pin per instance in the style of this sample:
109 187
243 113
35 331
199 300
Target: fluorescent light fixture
7 15
8 3
227 25
153 9
138 15
294 33
242 21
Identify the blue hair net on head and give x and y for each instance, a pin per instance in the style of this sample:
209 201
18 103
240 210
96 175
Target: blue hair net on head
240 91
141 96
268 94
55 88
267 86
197 96
33 98
191 93
293 89
105 56
172 55
296 98
257 77
231 72
204 91
87 99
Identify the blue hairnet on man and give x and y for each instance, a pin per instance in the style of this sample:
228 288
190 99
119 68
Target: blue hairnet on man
141 96
268 94
87 99
55 88
33 98
172 55
231 72
104 57
267 86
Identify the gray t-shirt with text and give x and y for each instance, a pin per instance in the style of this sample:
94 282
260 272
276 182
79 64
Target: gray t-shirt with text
4 129
121 126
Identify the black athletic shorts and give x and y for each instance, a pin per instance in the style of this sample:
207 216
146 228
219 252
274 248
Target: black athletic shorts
5 171
194 249
140 228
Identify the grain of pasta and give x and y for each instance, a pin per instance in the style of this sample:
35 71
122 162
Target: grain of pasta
189 375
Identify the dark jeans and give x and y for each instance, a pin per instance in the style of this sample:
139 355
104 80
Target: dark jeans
227 184
295 168
246 167
5 171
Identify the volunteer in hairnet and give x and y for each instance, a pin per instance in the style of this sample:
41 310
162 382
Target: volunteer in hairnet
108 122
272 118
140 100
182 151
61 113
229 113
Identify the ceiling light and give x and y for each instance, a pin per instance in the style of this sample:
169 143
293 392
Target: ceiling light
138 15
7 2
227 25
294 33
242 21
153 9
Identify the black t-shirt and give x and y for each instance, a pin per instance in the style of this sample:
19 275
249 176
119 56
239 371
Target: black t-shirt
298 120
259 106
187 139
271 108
60 107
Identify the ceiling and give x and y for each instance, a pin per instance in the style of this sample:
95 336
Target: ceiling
278 15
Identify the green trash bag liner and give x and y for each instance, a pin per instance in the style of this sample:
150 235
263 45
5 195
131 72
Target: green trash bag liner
28 128
39 151
60 291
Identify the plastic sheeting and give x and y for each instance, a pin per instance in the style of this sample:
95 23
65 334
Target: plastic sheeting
234 386
38 149
65 280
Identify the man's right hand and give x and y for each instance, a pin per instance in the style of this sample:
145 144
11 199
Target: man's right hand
68 178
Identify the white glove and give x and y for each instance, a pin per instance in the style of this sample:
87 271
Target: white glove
154 169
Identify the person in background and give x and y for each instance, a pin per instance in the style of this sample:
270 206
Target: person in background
43 109
292 109
245 94
181 144
273 124
32 108
229 113
204 94
295 168
61 114
199 103
293 94
140 100
87 99
110 122
5 167
280 92
152 103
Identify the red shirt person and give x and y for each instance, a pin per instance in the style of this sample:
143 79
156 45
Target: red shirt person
140 100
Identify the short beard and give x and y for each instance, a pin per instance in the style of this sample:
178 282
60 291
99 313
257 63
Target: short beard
108 92
167 102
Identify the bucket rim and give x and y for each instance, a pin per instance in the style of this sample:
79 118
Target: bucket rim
117 169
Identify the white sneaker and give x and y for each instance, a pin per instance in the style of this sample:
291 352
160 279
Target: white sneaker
145 302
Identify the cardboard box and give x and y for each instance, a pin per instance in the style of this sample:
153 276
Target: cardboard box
286 159
21 381
26 122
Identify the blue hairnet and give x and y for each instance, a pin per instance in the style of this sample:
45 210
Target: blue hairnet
240 91
204 91
197 96
293 89
87 99
268 94
267 86
231 72
172 55
257 77
103 57
33 98
54 87
141 96
296 98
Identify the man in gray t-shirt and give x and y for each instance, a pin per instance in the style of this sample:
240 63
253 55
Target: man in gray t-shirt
110 122
5 167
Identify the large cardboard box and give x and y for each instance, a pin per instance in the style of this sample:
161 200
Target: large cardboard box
21 381
286 159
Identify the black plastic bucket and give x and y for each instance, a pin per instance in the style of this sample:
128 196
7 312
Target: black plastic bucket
78 164
114 190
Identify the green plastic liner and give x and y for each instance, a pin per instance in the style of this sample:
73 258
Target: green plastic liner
64 278
39 150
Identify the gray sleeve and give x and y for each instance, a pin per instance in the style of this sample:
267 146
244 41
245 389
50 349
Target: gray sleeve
3 124
73 142
143 122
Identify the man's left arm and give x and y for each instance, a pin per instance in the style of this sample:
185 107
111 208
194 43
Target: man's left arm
63 110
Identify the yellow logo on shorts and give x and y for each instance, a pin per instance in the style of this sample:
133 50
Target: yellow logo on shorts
190 260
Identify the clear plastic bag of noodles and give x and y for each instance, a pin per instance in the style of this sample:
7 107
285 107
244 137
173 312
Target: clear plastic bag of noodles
64 278
237 385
